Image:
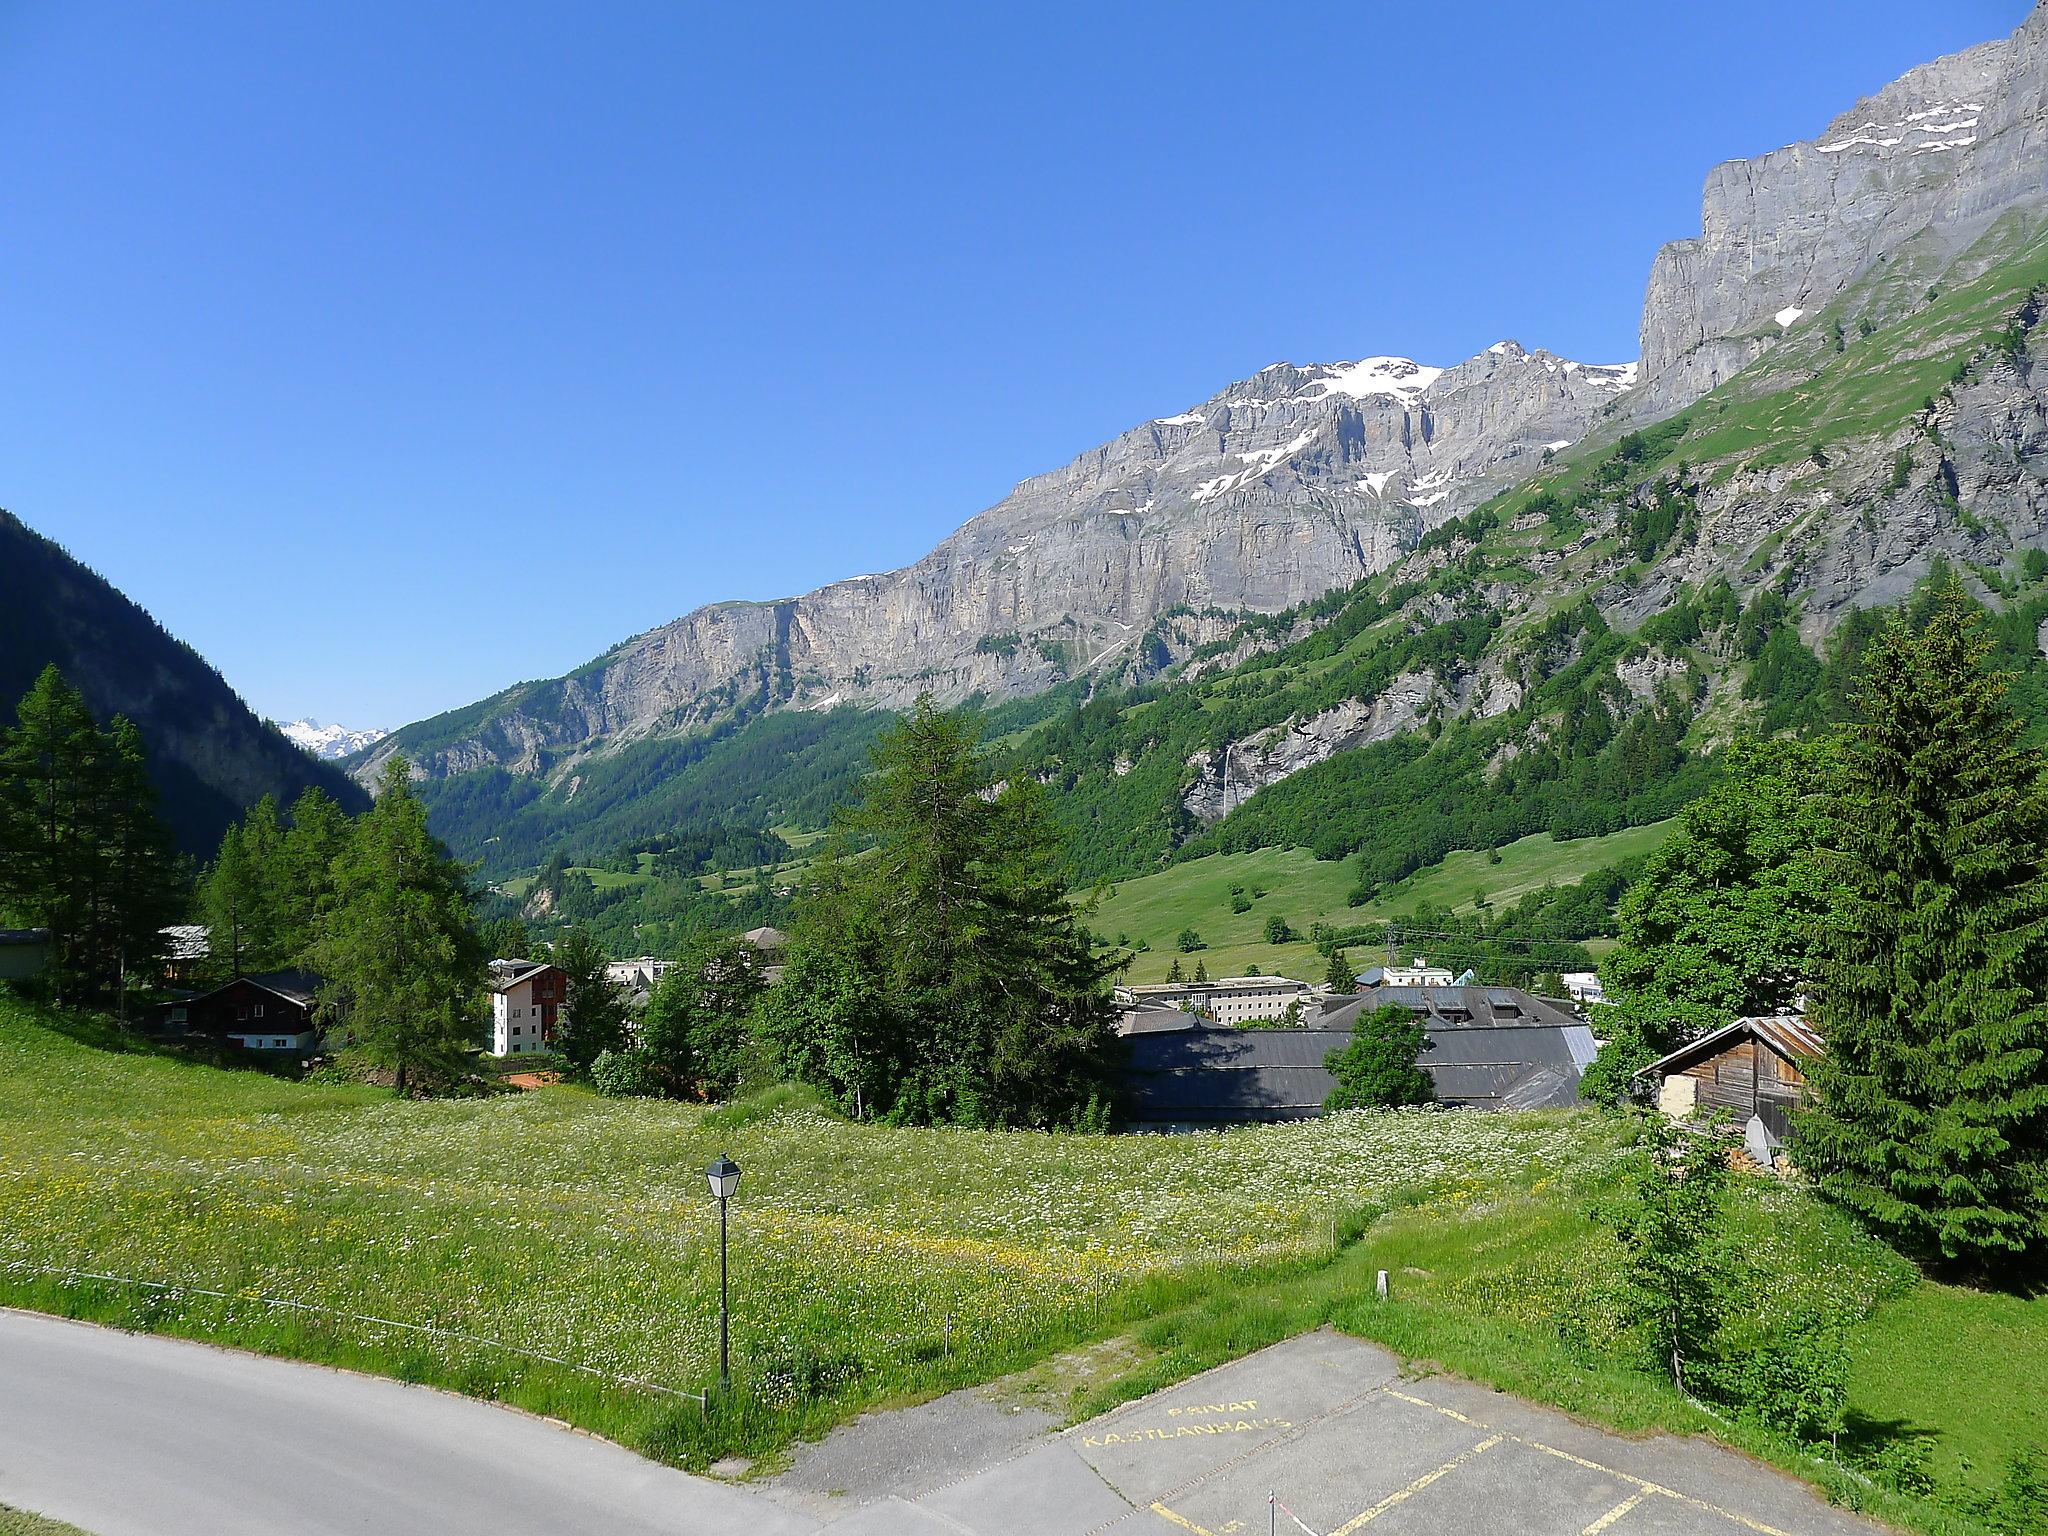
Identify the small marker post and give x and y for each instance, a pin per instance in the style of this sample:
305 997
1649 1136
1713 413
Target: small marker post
1383 1285
1272 1517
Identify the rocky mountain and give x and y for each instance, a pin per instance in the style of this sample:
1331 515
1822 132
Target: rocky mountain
330 743
210 756
1918 171
1271 492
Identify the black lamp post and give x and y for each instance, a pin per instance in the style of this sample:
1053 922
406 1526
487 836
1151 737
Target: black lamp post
724 1177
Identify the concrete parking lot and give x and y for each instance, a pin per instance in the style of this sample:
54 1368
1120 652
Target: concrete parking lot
131 1435
1328 1429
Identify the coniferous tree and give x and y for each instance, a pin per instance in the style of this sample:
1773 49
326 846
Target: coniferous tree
1931 1118
229 901
596 1009
1339 977
973 991
142 872
81 850
402 962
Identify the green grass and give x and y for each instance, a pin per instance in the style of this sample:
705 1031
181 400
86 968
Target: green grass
878 1265
1306 890
874 1263
19 1522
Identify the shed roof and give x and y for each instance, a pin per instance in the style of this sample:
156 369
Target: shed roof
1791 1035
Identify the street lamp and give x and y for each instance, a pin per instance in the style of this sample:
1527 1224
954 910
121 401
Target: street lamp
724 1178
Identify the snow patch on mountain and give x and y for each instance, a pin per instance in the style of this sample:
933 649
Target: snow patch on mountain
329 742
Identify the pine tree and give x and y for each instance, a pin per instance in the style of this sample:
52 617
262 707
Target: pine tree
228 903
973 993
1931 1118
1201 971
596 1009
141 871
402 963
1174 972
81 850
1340 977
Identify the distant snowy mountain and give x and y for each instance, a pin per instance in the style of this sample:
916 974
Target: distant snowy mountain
329 742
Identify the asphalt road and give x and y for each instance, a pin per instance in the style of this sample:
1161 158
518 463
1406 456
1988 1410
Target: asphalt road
129 1435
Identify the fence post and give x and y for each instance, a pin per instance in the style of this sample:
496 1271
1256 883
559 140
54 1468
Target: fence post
1383 1285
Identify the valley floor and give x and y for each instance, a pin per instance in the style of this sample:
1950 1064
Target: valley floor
562 1246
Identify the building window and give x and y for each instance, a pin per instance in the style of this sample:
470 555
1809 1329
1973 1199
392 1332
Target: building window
242 1013
259 1011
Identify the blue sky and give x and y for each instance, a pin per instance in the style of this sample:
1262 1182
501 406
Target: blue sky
389 357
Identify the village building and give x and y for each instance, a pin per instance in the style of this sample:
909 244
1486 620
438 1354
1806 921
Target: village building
1233 1000
1418 972
529 1004
23 952
1583 988
1489 1048
276 1012
637 978
1753 1069
186 949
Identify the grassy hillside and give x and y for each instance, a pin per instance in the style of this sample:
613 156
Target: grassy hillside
876 1263
1304 890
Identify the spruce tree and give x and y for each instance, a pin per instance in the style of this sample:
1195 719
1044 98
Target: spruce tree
972 991
1339 977
401 960
1931 1118
596 1009
228 904
81 850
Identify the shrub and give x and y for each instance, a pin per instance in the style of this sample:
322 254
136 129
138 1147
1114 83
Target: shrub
622 1075
1796 1381
1190 941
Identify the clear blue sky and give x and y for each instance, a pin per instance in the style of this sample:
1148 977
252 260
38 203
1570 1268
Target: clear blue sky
392 353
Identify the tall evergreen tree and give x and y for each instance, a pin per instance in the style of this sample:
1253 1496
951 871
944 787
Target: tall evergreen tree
81 850
229 903
974 991
1338 975
401 959
1932 1102
596 1009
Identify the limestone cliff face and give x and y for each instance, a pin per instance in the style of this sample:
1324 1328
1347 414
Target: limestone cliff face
1272 492
1929 162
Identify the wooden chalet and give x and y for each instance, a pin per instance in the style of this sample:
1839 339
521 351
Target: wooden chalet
1753 1069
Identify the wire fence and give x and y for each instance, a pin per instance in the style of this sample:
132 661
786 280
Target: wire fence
281 1304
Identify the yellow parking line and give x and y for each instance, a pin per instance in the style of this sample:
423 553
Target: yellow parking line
1414 1488
1180 1520
1641 1483
1615 1513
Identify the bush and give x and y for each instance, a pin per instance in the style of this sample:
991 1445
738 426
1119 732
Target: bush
1277 931
622 1075
1796 1381
1190 941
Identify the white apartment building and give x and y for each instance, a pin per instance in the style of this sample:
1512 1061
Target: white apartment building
1232 1000
529 1003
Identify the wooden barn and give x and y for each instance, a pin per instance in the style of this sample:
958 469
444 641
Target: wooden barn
1755 1068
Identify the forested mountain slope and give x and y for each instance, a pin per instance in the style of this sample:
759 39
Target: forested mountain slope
1567 657
210 755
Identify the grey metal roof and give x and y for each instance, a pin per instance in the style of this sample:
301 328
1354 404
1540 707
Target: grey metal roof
24 936
1214 1072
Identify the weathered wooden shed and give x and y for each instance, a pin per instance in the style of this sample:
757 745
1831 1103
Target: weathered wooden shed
1754 1067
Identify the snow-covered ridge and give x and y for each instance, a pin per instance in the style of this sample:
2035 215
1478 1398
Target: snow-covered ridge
329 742
1948 121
